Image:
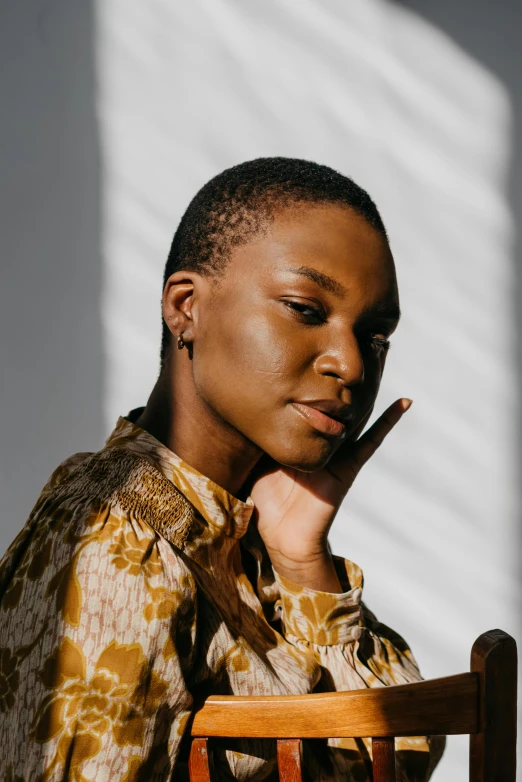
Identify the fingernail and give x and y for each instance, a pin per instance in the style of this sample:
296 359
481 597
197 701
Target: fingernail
407 403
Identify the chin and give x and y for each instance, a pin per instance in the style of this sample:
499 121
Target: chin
307 457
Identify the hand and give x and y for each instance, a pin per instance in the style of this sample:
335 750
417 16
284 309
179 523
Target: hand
294 510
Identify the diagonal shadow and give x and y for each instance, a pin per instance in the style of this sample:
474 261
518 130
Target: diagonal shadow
490 34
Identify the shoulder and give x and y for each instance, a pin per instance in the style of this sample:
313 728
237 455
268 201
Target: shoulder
105 526
131 486
100 492
97 607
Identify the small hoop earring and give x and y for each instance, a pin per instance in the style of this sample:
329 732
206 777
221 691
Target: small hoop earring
181 343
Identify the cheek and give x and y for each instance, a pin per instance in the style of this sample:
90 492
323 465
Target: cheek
367 392
260 348
373 370
247 366
376 368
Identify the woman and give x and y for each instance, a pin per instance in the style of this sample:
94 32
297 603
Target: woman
190 555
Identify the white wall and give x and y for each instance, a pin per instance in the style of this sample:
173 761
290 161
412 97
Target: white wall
381 93
373 90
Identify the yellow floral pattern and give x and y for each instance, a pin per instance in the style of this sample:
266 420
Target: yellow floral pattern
127 593
79 713
135 555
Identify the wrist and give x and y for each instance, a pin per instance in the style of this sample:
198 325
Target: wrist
315 570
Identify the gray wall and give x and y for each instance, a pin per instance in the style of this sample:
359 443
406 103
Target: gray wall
51 219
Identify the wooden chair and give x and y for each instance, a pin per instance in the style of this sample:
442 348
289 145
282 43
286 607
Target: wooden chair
481 703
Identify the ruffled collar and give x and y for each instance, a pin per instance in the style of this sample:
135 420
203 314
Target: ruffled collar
224 513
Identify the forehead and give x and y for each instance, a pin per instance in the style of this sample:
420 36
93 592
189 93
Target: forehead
332 240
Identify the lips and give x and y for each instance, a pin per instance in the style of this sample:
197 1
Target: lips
320 414
332 408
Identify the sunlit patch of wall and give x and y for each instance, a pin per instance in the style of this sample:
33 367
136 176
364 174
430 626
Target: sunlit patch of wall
186 89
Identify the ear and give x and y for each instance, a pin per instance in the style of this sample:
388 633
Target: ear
178 303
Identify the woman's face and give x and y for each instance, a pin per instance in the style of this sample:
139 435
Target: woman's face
300 321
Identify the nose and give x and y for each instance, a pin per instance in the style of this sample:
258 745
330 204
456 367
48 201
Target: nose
343 360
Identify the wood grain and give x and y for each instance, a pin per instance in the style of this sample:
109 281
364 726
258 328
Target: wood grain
199 762
383 755
482 703
434 707
289 760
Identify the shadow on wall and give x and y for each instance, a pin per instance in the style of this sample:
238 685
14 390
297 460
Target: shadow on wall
52 353
490 33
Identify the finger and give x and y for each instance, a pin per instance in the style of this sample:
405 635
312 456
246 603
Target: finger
373 438
360 429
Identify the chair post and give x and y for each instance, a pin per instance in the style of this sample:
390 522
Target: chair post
383 756
493 748
200 761
289 760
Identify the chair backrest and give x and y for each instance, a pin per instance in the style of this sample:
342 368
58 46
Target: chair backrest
481 703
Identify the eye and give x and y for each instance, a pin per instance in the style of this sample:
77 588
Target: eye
379 342
306 312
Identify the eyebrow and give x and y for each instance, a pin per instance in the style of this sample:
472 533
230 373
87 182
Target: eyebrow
385 310
324 280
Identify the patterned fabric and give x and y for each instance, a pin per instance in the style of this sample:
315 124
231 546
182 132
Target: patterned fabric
137 588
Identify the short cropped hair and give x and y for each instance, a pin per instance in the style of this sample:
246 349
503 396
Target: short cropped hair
243 200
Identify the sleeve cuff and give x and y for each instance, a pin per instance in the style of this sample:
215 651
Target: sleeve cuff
324 618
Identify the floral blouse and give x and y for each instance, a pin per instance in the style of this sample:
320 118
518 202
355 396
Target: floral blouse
136 589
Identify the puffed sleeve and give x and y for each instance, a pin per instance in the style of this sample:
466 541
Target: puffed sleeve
355 650
97 627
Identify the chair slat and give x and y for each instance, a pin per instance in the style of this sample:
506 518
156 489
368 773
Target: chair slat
383 752
435 707
199 764
289 760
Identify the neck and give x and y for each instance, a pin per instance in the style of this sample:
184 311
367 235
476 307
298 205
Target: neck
177 416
